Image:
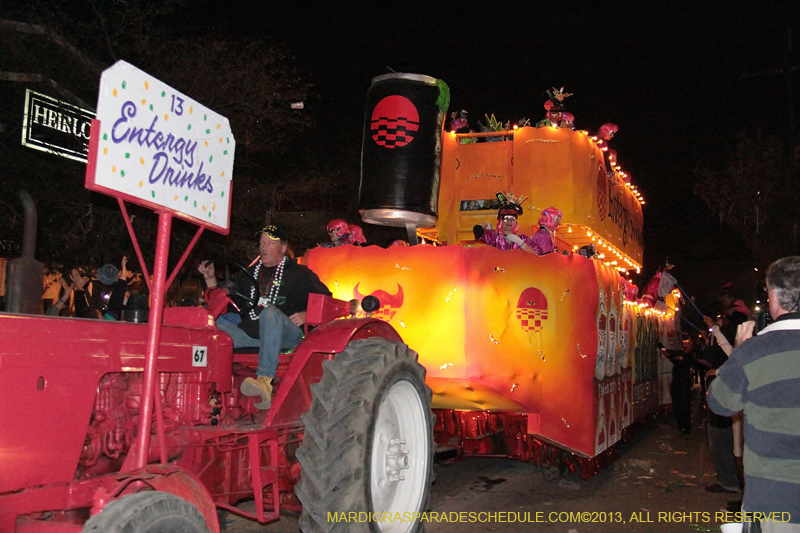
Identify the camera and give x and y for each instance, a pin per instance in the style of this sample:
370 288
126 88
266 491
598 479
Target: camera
762 320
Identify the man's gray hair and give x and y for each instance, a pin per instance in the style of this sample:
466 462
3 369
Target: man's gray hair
783 277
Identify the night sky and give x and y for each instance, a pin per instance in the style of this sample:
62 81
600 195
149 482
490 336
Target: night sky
671 75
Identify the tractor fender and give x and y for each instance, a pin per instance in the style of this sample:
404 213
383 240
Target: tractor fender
179 482
334 336
293 398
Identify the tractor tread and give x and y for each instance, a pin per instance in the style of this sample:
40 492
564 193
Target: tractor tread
334 455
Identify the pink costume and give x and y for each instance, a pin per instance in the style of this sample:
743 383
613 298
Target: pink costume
495 237
498 240
543 241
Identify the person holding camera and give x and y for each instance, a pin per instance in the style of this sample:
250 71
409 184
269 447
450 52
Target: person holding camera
762 378
720 342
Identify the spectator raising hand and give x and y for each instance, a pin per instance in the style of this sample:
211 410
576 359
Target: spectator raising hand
66 292
79 281
125 273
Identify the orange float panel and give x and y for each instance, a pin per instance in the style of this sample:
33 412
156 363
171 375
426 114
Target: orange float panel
553 167
504 331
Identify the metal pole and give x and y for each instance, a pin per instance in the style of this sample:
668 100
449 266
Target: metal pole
142 443
138 250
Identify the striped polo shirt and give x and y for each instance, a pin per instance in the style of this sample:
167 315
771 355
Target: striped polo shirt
762 377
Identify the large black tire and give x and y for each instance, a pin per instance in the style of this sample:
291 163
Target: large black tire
148 512
370 412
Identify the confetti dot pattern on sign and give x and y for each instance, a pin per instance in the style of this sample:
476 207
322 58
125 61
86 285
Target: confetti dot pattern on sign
183 125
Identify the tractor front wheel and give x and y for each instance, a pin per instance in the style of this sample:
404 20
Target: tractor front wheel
368 444
148 512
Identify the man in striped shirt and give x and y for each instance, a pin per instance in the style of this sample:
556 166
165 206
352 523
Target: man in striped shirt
762 376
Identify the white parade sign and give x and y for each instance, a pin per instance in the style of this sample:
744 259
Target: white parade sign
156 147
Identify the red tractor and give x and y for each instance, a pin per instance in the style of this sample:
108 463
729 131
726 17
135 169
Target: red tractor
351 409
140 427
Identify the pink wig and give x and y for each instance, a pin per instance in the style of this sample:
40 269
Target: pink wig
607 130
551 218
399 242
356 235
342 230
338 223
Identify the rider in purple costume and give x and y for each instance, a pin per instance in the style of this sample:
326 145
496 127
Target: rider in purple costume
544 239
506 238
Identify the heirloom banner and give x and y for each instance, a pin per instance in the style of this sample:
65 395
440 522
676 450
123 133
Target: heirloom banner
51 125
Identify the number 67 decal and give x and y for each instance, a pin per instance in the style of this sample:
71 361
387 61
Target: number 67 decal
199 356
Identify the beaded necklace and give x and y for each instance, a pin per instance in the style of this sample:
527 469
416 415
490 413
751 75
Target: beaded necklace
272 295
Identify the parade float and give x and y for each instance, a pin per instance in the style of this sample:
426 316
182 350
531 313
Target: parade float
550 359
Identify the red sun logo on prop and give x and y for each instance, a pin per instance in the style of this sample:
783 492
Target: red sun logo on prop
602 192
532 310
395 121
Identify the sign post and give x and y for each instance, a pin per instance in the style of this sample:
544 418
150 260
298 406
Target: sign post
154 146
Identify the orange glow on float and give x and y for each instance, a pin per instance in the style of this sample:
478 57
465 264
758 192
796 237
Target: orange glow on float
504 331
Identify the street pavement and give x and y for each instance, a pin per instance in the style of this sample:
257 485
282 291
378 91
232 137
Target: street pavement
656 485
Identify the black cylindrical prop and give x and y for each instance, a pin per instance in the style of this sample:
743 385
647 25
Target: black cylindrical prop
401 150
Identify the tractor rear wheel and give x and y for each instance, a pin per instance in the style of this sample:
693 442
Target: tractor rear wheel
368 444
148 512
